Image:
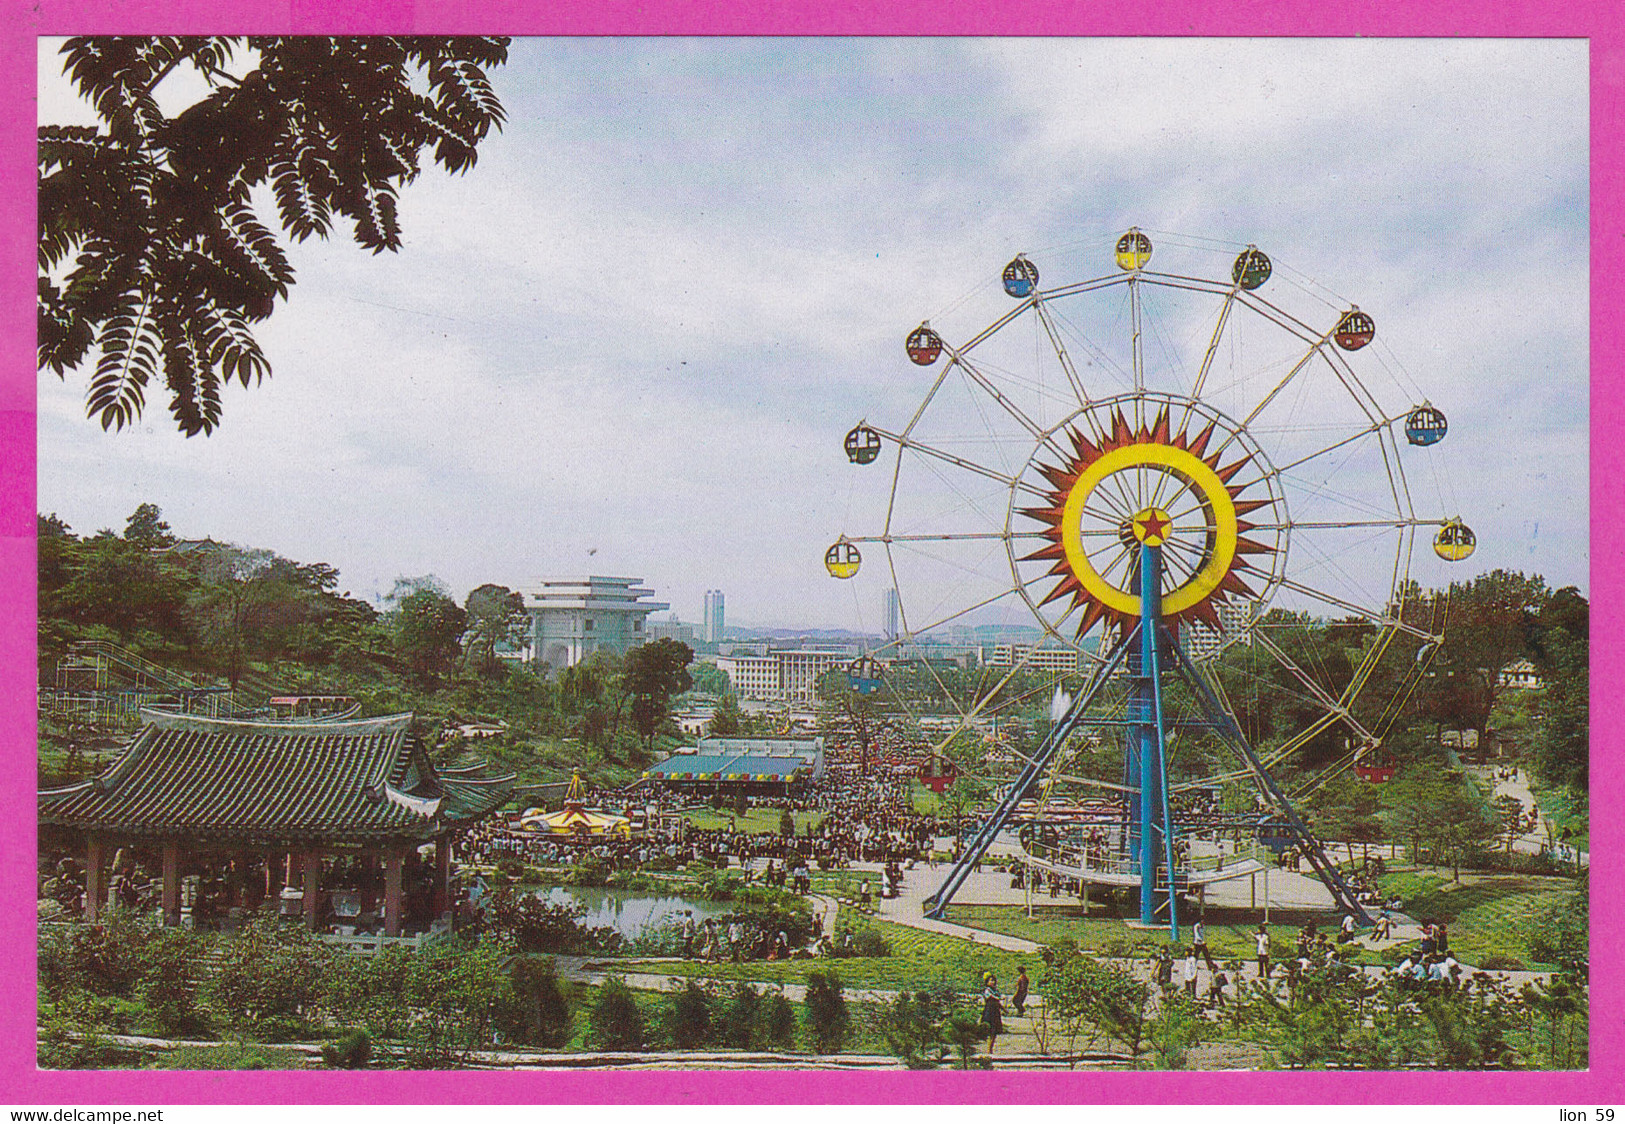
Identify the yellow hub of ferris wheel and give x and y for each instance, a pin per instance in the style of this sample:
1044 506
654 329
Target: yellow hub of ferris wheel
1218 532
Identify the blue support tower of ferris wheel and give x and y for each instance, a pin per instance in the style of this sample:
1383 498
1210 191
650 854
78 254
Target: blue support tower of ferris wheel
1151 830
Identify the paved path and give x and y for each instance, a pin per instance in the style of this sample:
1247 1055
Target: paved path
1531 842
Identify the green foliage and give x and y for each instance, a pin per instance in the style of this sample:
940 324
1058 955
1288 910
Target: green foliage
428 628
727 719
1562 932
828 1020
460 997
654 673
495 616
689 1018
271 976
867 941
776 1022
545 1018
151 250
1563 655
534 924
351 1050
964 1032
616 1023
1560 1013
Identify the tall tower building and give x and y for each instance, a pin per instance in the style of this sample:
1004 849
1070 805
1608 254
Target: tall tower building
894 615
713 616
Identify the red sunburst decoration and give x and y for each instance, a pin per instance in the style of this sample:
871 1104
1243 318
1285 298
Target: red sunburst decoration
1197 581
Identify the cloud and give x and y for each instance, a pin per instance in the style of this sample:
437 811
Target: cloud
643 322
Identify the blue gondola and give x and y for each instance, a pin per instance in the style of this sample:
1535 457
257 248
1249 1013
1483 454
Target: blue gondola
1425 425
1020 277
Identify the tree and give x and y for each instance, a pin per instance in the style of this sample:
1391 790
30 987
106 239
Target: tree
235 583
428 628
150 247
496 615
146 528
1562 740
1492 624
726 719
654 673
617 1024
827 1016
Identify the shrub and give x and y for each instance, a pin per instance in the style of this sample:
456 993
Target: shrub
512 868
169 985
738 1026
352 1050
617 1023
869 942
537 925
544 1014
778 1022
270 971
589 870
827 1017
108 958
459 997
689 1019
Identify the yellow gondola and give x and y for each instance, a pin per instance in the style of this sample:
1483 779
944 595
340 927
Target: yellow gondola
842 560
1133 250
1455 541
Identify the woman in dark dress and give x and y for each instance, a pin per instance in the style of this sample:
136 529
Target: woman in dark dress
992 1010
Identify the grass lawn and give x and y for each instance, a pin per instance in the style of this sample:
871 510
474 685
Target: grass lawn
918 958
1488 914
756 820
1110 937
1562 808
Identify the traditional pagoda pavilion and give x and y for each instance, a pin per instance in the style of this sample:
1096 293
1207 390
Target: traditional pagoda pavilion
317 804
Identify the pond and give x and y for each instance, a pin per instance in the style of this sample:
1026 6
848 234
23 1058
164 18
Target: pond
631 912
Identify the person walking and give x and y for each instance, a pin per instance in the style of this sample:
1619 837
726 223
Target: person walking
1019 999
1190 972
1261 942
992 1010
1199 944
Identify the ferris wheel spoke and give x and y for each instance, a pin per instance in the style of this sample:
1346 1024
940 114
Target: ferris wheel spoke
1368 431
1349 524
951 617
1308 357
1009 407
1004 478
1060 350
969 536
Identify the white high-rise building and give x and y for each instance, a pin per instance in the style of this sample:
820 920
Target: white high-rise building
790 675
894 615
713 617
571 618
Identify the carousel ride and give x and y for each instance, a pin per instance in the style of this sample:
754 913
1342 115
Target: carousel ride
1185 489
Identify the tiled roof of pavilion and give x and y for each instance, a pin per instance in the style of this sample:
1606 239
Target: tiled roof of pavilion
333 781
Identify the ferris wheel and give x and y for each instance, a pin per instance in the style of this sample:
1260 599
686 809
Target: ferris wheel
1249 432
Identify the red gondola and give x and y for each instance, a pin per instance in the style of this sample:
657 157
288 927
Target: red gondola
1355 330
923 345
937 773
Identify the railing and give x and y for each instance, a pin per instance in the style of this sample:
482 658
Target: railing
371 944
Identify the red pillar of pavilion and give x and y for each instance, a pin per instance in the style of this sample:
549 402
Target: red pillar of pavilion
392 892
94 890
442 876
313 877
172 883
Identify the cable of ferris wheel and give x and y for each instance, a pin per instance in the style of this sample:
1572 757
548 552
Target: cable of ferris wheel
1353 609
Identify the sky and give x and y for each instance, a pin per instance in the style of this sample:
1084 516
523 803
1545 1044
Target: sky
630 340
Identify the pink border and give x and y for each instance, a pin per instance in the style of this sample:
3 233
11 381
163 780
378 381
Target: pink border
20 1083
